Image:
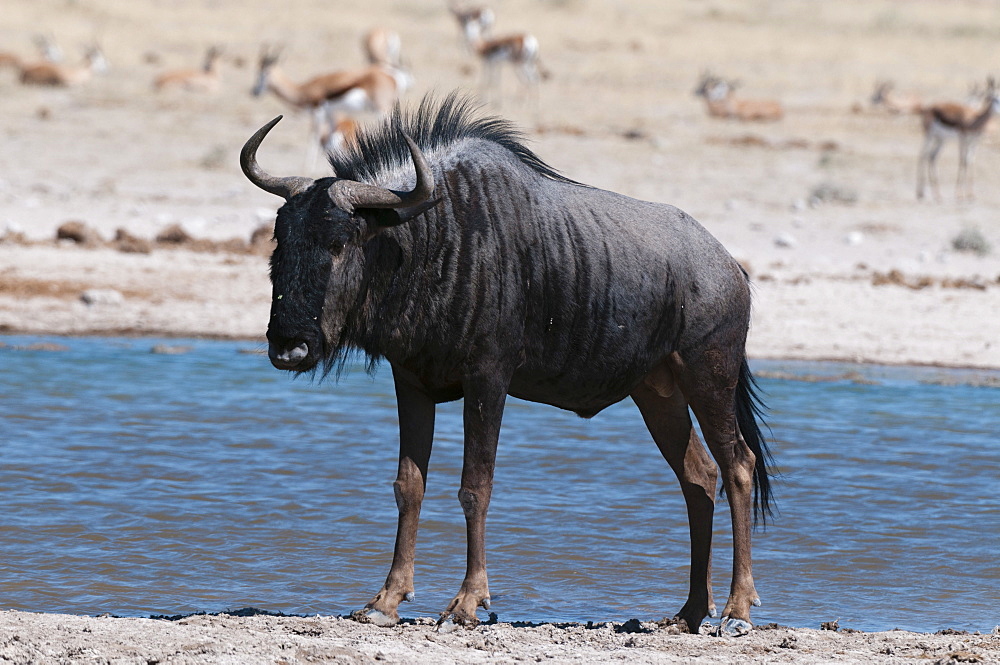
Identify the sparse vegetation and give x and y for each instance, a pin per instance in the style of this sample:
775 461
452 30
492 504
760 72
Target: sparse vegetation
827 192
971 240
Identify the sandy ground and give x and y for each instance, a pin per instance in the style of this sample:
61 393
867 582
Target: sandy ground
819 207
238 640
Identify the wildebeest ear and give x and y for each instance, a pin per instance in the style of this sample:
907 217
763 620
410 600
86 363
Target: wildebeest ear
386 217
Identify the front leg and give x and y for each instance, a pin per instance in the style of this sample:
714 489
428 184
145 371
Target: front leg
416 433
483 411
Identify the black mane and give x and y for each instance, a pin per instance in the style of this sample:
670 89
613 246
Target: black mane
433 124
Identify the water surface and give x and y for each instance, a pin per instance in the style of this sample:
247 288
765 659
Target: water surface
143 483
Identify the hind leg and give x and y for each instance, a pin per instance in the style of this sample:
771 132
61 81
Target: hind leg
709 382
665 411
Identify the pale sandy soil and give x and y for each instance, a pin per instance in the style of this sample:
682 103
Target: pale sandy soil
872 279
223 640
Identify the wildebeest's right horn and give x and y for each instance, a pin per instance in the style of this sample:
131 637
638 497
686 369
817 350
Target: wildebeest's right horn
283 187
349 194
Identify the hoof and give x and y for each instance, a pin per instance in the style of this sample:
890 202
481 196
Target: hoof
714 613
409 597
731 627
374 617
485 603
755 602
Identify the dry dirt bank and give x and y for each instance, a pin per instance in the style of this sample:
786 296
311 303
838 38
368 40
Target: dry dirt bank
219 640
861 315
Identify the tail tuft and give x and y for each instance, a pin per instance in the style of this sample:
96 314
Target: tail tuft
749 412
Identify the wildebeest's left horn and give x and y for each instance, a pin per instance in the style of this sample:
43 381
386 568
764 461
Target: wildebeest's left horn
283 187
349 194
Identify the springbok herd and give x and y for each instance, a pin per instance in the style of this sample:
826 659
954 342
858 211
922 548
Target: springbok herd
338 100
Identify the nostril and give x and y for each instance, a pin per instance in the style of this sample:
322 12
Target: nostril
297 353
288 357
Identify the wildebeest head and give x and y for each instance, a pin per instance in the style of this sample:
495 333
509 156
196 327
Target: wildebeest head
317 266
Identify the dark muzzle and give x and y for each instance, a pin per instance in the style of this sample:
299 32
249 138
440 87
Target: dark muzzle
293 355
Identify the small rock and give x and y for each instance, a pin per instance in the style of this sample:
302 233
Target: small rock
130 244
174 235
785 240
78 232
92 297
854 238
630 626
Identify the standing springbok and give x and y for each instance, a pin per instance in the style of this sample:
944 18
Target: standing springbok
518 49
382 47
721 102
474 21
206 79
330 97
951 120
53 74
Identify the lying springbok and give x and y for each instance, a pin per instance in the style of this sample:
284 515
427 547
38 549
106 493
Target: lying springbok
47 49
885 98
948 120
476 271
328 96
9 59
54 74
382 47
519 49
721 102
206 79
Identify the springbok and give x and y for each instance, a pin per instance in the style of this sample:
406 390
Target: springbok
47 49
884 97
206 79
721 102
519 49
473 20
8 59
951 120
329 96
340 135
50 73
382 47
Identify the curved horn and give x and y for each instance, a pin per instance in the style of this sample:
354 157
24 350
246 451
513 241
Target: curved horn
349 194
283 187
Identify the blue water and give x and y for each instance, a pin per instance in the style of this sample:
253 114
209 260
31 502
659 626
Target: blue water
141 483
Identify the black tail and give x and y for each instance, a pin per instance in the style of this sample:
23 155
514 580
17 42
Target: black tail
749 410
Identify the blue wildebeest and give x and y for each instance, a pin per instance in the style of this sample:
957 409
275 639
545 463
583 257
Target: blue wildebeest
446 247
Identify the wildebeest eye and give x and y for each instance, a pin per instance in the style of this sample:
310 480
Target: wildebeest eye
336 247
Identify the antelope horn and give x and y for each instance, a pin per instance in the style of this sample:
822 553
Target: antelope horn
349 194
283 187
